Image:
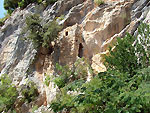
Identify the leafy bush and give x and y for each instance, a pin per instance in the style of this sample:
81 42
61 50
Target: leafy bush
67 75
29 91
128 57
124 58
35 30
70 77
47 80
107 92
8 94
70 80
98 2
41 35
34 108
51 31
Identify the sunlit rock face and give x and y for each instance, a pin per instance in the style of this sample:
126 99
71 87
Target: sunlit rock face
88 31
104 22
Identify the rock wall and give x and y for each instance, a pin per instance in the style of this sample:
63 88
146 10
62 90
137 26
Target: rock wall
88 31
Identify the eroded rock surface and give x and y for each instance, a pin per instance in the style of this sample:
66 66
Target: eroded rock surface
88 31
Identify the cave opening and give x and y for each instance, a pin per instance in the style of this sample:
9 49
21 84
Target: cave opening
80 52
66 33
51 49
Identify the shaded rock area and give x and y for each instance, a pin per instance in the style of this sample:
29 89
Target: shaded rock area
88 31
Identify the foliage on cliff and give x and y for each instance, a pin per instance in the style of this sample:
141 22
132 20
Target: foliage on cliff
98 2
131 53
41 35
29 91
75 76
124 87
11 5
8 93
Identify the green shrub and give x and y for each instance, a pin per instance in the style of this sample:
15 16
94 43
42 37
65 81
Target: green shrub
34 108
51 32
29 91
35 30
123 58
8 94
107 92
98 2
69 80
47 80
127 56
41 35
63 79
59 81
67 75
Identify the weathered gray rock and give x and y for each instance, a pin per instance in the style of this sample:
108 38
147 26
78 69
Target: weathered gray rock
62 7
77 13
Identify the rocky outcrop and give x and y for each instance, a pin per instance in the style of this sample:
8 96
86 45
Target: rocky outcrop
87 32
104 22
138 12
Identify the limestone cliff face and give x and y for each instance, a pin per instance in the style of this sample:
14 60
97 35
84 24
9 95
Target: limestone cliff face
88 31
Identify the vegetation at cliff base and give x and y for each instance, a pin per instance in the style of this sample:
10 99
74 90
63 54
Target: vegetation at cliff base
29 91
8 93
124 87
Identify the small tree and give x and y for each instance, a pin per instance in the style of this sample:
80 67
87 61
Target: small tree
29 91
130 53
8 93
51 32
123 57
35 30
41 35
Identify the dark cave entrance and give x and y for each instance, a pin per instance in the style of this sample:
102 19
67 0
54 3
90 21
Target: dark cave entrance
66 33
51 49
80 52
